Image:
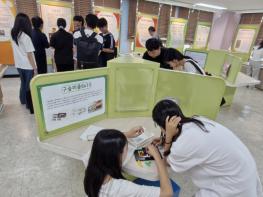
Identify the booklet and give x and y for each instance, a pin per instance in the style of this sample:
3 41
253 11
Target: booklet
141 140
90 133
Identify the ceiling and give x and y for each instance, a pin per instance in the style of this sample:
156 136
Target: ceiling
233 5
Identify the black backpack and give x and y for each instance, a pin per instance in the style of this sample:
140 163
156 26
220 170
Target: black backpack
88 50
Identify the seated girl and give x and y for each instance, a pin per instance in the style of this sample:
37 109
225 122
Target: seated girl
103 176
178 61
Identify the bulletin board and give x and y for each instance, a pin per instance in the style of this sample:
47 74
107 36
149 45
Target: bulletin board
143 22
245 38
176 34
52 10
7 17
202 34
113 18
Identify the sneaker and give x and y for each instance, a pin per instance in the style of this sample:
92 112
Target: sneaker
1 108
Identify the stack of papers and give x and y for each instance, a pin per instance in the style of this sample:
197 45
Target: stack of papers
90 133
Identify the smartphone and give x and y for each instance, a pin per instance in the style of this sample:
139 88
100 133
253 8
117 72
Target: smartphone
142 155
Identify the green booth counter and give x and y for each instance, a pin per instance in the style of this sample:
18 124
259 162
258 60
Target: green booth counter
120 96
214 64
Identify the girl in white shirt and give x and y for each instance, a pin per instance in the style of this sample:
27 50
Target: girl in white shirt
23 54
103 176
219 163
178 61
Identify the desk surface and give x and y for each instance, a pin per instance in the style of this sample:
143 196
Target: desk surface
243 80
70 144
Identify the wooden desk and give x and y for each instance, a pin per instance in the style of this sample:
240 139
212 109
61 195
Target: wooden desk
70 144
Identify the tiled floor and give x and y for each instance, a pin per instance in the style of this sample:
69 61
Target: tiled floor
26 170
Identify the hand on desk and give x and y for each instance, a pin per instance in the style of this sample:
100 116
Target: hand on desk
134 132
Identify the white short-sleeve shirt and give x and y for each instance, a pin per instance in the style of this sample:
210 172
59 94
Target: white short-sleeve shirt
20 51
219 163
124 188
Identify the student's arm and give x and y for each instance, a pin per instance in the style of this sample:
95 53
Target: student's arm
45 41
31 59
108 50
165 183
170 131
134 132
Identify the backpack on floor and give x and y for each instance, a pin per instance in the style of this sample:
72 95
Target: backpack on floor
88 49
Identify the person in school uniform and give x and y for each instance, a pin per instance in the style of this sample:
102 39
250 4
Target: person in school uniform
178 61
218 162
108 48
62 42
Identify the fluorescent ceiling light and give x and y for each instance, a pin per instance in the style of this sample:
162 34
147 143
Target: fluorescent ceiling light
210 6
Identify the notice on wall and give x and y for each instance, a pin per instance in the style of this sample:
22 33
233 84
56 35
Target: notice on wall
142 34
176 34
50 14
113 19
201 37
7 17
68 103
244 40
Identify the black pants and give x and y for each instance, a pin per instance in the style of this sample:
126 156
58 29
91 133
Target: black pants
65 67
82 65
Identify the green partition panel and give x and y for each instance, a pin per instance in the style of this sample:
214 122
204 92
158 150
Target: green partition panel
133 82
197 95
244 56
57 78
236 64
215 61
133 86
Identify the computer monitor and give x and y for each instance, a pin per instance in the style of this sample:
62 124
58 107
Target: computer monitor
200 57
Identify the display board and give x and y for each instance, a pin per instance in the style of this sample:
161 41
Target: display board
70 102
176 34
245 38
7 17
143 22
202 35
198 56
113 18
51 11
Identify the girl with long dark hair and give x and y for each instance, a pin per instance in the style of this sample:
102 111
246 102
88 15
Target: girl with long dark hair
23 55
103 177
178 61
219 163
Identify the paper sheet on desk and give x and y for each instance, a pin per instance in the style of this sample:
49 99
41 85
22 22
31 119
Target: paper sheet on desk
90 132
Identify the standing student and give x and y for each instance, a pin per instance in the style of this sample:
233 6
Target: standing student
62 42
155 52
153 32
40 43
23 49
218 162
256 60
78 22
178 61
88 44
103 176
108 47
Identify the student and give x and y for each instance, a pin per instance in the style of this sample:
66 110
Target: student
155 52
103 176
218 162
107 52
178 61
23 49
153 32
40 43
62 42
88 44
78 22
256 60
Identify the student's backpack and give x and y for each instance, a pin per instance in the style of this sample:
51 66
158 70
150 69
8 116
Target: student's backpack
88 50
